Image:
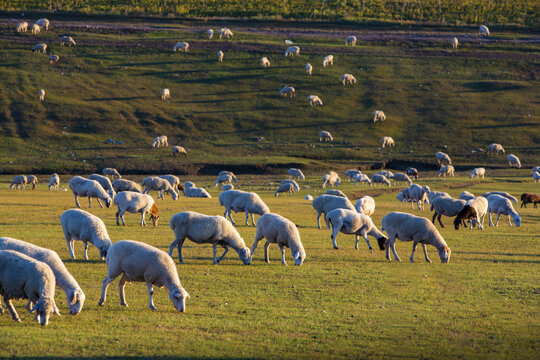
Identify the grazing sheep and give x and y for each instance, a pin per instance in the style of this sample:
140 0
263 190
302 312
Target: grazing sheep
112 172
178 150
188 184
22 277
335 192
265 63
54 182
64 280
536 176
328 60
35 29
43 23
378 115
407 227
412 172
446 206
210 34
174 181
387 173
308 197
54 59
309 69
474 211
418 194
498 204
81 225
387 141
380 179
513 161
241 201
351 173
363 178
455 43
91 188
134 202
325 136
181 47
41 95
401 177
348 79
104 182
287 91
323 204
446 170
22 27
442 158
203 229
120 185
220 56
161 185
224 172
351 40
139 262
41 47
224 179
196 192
281 231
365 205
465 195
67 40
227 187
31 179
495 148
350 222
292 51
296 174
295 185
225 32
331 178
314 100
483 30
165 94
160 141
501 193
404 195
478 172
527 198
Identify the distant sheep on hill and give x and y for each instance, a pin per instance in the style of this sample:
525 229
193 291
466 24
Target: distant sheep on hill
181 47
292 51
351 40
165 94
314 100
387 141
178 150
378 115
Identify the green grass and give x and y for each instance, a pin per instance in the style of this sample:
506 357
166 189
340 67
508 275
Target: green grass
339 303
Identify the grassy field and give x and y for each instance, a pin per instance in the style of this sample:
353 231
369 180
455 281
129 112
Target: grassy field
339 304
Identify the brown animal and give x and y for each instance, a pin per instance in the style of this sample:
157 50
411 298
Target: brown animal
154 214
467 213
527 198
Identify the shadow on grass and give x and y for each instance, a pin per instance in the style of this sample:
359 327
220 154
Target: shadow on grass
492 253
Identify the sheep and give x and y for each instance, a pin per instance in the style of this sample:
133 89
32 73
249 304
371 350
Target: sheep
446 170
387 173
225 32
181 47
210 34
54 59
64 280
351 173
134 202
495 148
265 63
513 161
32 179
478 172
104 182
308 197
309 69
407 227
41 95
401 177
455 43
35 29
241 201
325 136
475 211
536 168
432 195
54 182
161 185
188 184
41 47
220 55
295 185
404 195
348 79
331 178
120 185
418 194
112 172
498 204
365 205
363 178
446 206
160 141
196 192
465 195
378 115
351 40
174 181
281 231
442 158
224 179
67 40
138 262
19 182
22 27
351 222
224 172
296 174
22 277
227 187
328 60
165 94
387 141
314 100
287 91
91 188
335 192
203 229
483 30
178 150
43 23
380 179
501 193
527 198
412 172
292 51
81 225
536 176
323 204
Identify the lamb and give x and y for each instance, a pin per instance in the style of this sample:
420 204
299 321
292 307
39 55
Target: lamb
378 115
335 192
483 30
104 182
412 172
287 91
351 40
237 201
138 262
387 141
224 179
292 51
295 185
54 59
442 158
196 192
203 229
64 280
227 187
475 211
323 204
296 174
67 40
22 277
351 173
160 141
81 225
134 202
388 174
495 148
41 95
527 198
41 47
513 161
328 60
455 43
120 185
35 29
465 195
501 193
325 136
314 100
210 34
91 188
536 176
365 205
446 206
112 172
498 204
309 69
401 177
43 23
281 231
446 170
478 172
348 79
174 181
19 182
418 194
22 27
220 56
265 63
181 47
225 32
54 182
363 178
161 185
351 222
331 178
416 229
165 94
178 150
380 179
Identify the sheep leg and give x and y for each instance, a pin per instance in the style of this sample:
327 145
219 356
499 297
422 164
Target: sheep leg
89 202
318 220
222 256
415 244
77 201
71 245
490 221
266 254
393 247
11 309
252 221
104 286
497 221
117 216
122 217
121 286
228 211
439 218
367 241
85 250
509 222
258 238
283 262
143 222
335 231
150 297
425 252
100 204
29 305
1 308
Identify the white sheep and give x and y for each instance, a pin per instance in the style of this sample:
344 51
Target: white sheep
418 194
43 23
296 174
351 40
19 182
224 179
407 227
22 27
348 79
325 136
446 206
227 187
287 91
455 43
54 182
495 148
401 177
41 95
314 100
104 182
536 176
210 34
387 173
139 262
67 40
478 172
203 229
378 115
161 185
412 172
225 32
380 179
309 69
292 51
81 225
500 205
225 172
196 192
41 47
331 178
134 202
442 158
160 141
281 231
220 55
363 178
165 94
265 63
475 209
328 60
90 188
174 181
365 205
120 185
350 222
178 150
323 204
446 170
285 188
295 185
64 280
54 59
513 161
466 195
181 47
36 29
387 141
22 277
112 172
483 30
351 173
501 193
241 201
